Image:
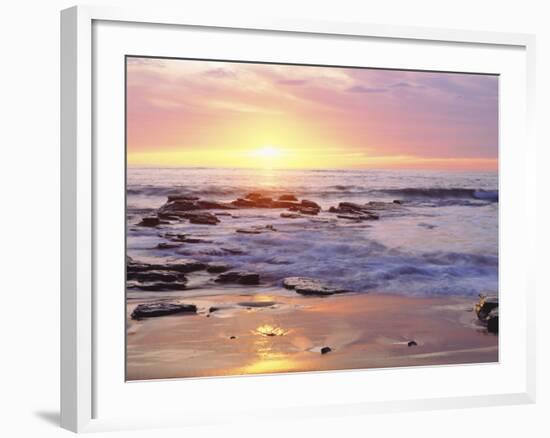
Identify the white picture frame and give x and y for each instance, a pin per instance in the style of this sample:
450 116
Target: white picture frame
82 373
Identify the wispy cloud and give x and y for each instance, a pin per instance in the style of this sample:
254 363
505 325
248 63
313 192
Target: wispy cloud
293 82
220 73
363 89
185 104
402 85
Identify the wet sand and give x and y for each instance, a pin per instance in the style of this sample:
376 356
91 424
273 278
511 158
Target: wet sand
276 331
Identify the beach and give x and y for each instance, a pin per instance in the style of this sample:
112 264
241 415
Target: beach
287 335
235 272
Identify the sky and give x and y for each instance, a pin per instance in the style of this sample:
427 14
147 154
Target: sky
225 114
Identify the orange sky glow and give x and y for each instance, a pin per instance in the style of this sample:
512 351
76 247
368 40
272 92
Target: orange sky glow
220 114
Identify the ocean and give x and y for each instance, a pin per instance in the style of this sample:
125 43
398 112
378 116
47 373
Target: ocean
441 240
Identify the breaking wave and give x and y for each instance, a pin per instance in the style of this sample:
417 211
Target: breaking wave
442 193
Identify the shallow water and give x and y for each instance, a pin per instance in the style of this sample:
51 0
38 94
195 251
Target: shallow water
443 239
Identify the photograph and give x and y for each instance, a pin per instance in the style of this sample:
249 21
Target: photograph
288 218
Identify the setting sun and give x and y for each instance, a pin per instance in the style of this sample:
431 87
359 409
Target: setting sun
269 156
268 151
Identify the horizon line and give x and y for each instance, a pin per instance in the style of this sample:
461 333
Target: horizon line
423 169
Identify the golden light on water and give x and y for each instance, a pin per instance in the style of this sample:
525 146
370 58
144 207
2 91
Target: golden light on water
268 359
270 330
272 365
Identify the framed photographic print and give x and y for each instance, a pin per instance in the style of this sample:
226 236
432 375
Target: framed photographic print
323 209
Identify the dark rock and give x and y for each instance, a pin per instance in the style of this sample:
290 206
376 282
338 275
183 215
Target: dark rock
238 277
170 217
288 197
253 200
485 305
244 203
487 312
366 210
492 321
254 195
213 309
176 207
202 218
161 309
263 202
383 206
397 201
164 245
284 204
182 198
195 240
427 226
287 215
310 286
256 229
214 205
133 266
304 209
307 203
257 200
411 344
351 206
164 276
257 304
158 286
179 207
196 204
149 222
339 210
351 217
217 267
358 217
232 337
182 265
232 250
184 238
326 350
248 231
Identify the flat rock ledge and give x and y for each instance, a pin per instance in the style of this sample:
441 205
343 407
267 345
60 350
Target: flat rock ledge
310 286
182 265
158 286
217 267
487 312
257 229
238 277
161 309
151 221
196 210
160 277
353 211
288 201
153 275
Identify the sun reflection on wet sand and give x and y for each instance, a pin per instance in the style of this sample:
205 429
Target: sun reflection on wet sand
268 359
270 330
265 340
